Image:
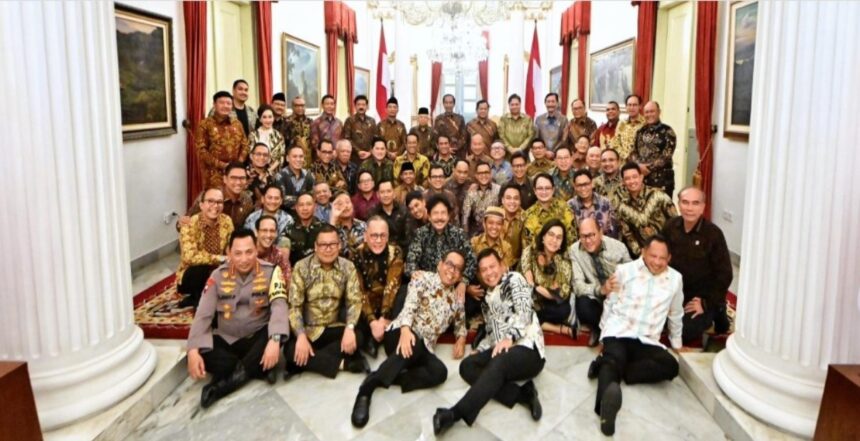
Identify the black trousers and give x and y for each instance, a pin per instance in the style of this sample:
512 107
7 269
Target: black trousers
637 362
363 327
420 371
328 356
222 360
552 312
693 328
495 377
588 311
194 281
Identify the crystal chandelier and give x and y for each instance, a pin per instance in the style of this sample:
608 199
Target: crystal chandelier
460 47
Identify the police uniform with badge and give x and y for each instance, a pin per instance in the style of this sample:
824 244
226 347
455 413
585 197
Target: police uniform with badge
237 316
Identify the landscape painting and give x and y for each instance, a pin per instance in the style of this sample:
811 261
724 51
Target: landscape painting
145 52
611 74
302 72
555 80
362 82
742 33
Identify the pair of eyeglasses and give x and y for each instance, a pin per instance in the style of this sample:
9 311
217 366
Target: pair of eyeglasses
328 246
452 266
214 201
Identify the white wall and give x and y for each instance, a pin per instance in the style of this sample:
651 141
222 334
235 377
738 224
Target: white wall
304 20
730 155
155 167
611 23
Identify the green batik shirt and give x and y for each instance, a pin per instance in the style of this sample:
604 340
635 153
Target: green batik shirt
316 296
643 216
536 216
516 133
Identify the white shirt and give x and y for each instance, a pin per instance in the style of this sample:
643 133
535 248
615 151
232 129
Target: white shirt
644 304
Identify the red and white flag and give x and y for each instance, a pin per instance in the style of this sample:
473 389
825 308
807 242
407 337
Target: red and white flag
534 81
383 77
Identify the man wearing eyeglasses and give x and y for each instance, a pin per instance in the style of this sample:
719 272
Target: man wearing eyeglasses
588 204
594 257
380 266
325 305
202 244
237 200
431 306
325 169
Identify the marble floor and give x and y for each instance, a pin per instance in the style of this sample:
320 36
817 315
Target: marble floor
154 272
310 407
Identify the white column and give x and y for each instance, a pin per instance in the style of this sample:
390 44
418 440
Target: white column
518 40
798 298
66 289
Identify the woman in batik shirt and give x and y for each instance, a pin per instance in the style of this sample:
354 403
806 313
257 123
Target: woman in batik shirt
548 269
267 134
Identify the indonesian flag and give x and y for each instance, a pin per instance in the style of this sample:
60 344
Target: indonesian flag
534 82
383 77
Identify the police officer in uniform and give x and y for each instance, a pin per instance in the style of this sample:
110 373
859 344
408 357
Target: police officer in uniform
240 322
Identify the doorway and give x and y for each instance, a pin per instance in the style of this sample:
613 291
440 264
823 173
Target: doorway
673 77
231 48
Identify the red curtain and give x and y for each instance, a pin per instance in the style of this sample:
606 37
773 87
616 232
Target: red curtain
483 80
340 23
706 43
435 83
194 15
575 24
645 38
264 48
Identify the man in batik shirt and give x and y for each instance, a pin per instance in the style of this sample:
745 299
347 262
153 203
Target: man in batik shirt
238 202
608 183
281 124
494 224
546 209
303 232
326 126
392 130
642 211
321 287
379 264
424 133
453 126
434 240
349 229
478 199
378 163
604 134
443 157
267 233
580 124
516 129
325 169
360 129
483 125
436 186
410 340
653 150
219 140
300 129
562 174
588 204
541 163
420 163
625 133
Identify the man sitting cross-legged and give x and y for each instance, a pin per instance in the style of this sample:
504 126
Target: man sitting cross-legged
240 322
322 285
431 307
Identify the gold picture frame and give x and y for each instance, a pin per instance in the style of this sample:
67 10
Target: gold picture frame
611 74
743 17
301 71
145 64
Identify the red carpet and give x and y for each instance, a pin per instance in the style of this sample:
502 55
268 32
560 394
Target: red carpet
156 312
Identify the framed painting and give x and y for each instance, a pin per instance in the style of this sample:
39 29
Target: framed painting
362 82
301 71
611 76
739 78
145 52
555 80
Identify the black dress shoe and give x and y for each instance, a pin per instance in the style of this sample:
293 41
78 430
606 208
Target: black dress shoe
272 375
358 364
216 390
371 348
361 411
480 333
442 420
610 403
594 367
594 338
187 302
530 399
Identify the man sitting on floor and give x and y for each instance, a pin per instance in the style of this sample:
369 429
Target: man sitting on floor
700 254
595 258
321 286
237 330
431 306
633 319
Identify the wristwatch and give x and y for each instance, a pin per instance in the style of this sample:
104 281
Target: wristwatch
276 337
350 327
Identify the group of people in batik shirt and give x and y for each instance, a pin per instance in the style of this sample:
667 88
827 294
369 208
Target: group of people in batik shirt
321 241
